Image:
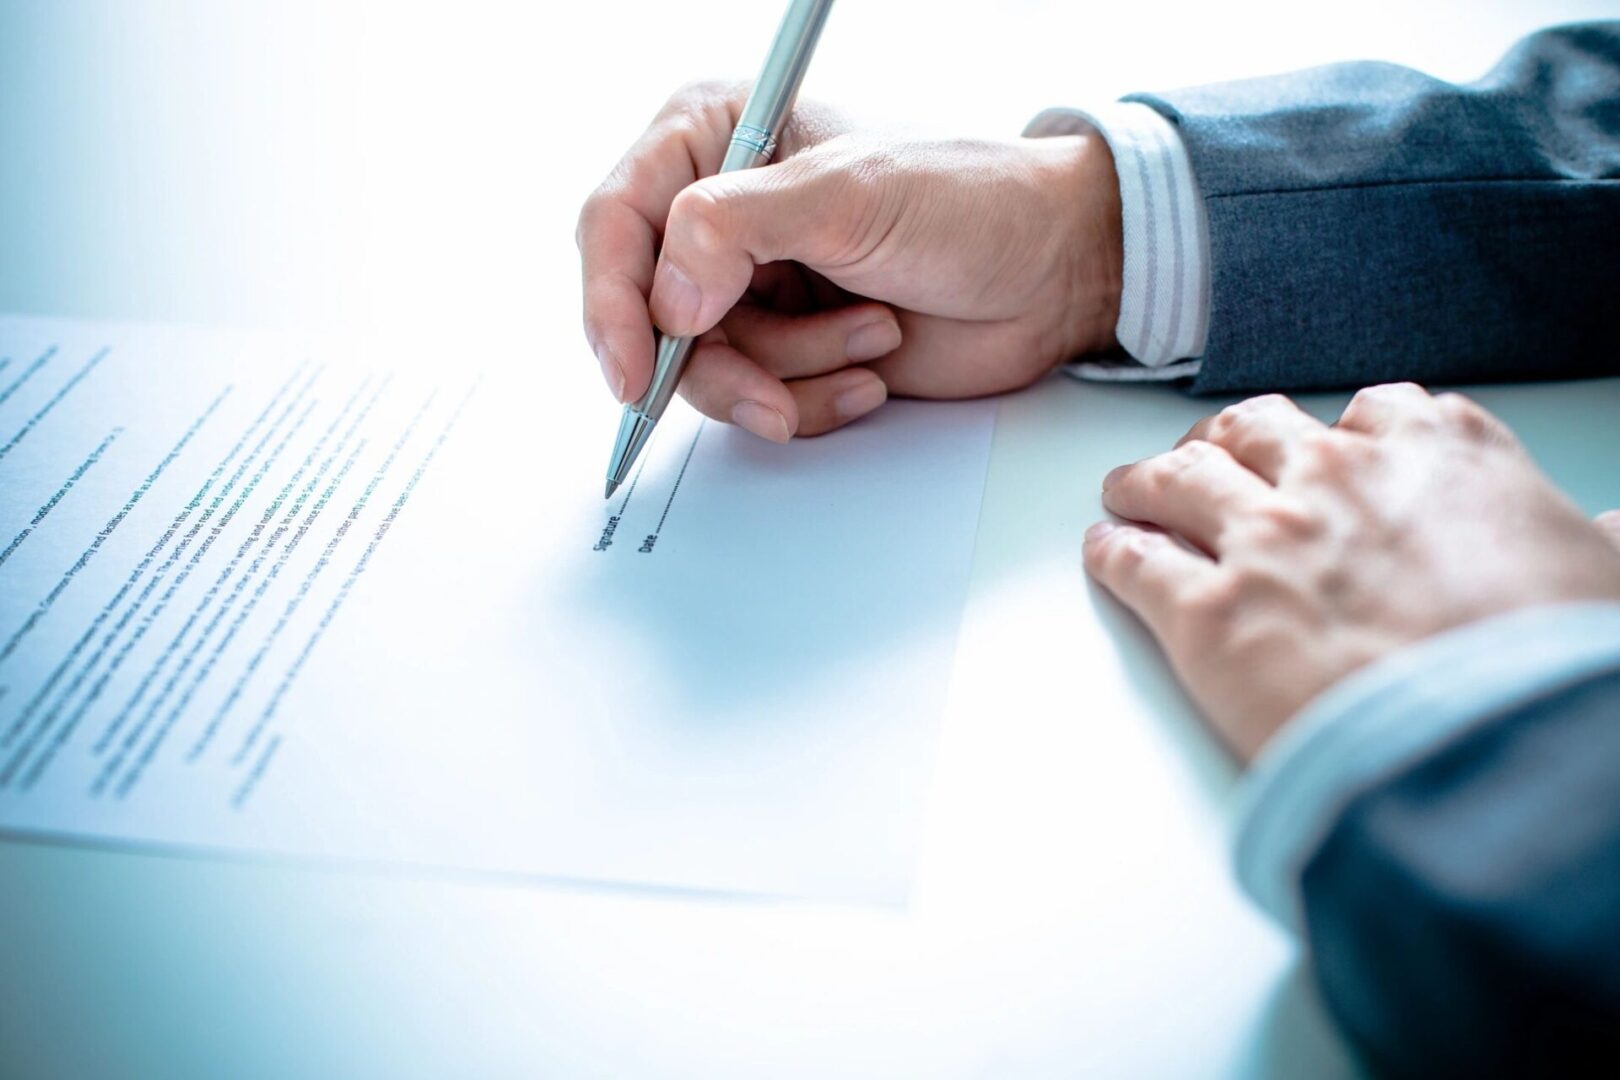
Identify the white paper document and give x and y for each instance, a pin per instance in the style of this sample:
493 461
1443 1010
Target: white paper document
266 597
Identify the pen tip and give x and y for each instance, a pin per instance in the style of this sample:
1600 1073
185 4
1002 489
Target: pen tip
607 493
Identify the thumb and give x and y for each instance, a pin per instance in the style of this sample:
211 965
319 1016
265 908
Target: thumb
722 227
1609 522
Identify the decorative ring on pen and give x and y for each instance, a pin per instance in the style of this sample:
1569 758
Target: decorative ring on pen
756 139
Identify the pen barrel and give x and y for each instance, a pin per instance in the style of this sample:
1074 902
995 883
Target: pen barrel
770 102
752 143
671 358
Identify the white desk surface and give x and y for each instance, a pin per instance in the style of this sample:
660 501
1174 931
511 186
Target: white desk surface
1072 911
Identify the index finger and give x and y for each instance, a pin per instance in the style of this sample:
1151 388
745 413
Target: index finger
620 224
616 254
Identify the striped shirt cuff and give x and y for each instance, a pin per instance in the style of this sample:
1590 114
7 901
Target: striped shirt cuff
1391 714
1164 301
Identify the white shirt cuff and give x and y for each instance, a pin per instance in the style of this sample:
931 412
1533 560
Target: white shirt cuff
1164 299
1391 714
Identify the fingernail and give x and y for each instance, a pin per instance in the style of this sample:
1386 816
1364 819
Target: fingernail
676 298
872 340
1098 531
860 399
1113 476
611 371
762 420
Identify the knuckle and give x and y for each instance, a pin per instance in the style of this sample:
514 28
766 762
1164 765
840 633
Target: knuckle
1160 474
1149 477
699 110
687 124
1224 423
1371 395
1217 604
1230 415
699 92
1284 523
1363 399
1204 429
1241 414
1259 405
1467 416
1328 452
1190 455
695 214
1387 395
1124 552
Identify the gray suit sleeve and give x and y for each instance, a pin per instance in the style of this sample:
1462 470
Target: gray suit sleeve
1368 222
1463 915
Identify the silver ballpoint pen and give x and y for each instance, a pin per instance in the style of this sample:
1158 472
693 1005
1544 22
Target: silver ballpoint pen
752 143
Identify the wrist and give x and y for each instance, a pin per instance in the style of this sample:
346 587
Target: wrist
1092 258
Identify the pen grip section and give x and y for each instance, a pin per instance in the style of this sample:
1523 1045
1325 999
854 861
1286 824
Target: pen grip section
667 367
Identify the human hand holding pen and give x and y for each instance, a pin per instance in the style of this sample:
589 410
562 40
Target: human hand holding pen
854 266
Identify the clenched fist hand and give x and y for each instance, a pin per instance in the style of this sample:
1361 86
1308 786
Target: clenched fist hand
1272 555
